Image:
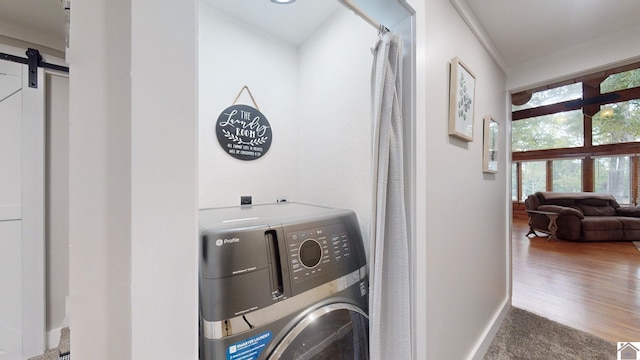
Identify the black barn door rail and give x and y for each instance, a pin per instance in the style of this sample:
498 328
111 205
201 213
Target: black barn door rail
34 60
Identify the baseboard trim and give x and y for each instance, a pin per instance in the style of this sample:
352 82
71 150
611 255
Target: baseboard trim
480 349
53 338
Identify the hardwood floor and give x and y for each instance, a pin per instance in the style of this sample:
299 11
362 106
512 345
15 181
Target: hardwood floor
594 287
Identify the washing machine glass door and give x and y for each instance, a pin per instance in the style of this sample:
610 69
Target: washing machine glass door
337 331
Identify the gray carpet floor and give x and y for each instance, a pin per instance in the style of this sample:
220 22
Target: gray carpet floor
524 335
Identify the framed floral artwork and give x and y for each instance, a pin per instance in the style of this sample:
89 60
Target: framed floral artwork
490 145
461 100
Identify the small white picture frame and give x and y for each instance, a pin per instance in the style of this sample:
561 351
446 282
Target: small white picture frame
491 145
461 100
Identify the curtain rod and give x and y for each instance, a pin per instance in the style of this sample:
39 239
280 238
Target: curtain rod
353 7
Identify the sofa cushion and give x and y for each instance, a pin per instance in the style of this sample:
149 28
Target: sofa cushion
569 227
631 235
604 223
602 228
630 223
546 196
589 210
601 235
561 202
594 202
628 211
631 226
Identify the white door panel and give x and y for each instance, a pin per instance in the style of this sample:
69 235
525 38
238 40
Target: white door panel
10 147
9 85
11 285
10 68
22 330
10 212
33 238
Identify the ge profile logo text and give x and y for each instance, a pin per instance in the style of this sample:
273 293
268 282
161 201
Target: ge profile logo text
221 242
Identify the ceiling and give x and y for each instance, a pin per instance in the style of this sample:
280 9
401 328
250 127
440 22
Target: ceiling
40 22
290 22
522 30
519 30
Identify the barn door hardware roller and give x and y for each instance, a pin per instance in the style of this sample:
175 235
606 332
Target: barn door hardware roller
34 59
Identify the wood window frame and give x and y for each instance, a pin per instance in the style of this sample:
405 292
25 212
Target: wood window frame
590 105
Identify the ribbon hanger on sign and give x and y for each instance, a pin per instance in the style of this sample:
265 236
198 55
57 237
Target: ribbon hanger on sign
250 95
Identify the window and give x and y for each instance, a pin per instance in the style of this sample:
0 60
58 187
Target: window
559 130
550 96
620 81
534 177
577 135
612 175
617 123
567 175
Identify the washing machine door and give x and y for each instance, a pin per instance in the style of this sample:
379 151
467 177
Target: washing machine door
338 331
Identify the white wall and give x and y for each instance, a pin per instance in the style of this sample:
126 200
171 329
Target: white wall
12 49
232 55
100 181
335 116
164 178
466 210
133 180
418 245
316 98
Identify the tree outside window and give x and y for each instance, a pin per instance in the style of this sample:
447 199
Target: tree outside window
534 175
567 175
617 123
612 176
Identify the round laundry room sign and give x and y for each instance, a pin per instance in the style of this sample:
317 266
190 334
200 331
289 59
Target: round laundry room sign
243 132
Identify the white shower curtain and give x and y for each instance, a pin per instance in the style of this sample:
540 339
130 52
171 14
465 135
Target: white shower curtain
389 309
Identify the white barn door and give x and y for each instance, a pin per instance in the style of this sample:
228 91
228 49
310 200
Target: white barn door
22 169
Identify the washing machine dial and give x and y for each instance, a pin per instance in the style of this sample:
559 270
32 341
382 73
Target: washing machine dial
310 253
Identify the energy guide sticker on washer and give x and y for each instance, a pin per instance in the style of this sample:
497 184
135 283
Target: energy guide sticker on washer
249 349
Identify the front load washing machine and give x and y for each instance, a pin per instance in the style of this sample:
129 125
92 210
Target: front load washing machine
282 281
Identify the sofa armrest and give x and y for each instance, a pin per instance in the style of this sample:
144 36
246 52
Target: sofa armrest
633 211
562 210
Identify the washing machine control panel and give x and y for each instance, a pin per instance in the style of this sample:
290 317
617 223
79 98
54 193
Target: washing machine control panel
316 251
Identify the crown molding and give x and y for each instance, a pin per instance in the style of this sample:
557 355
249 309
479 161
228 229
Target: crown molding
472 22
